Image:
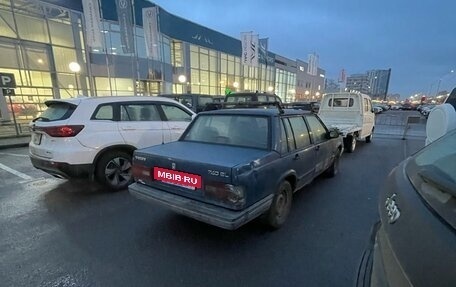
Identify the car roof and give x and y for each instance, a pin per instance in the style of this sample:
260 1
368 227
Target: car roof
256 112
109 99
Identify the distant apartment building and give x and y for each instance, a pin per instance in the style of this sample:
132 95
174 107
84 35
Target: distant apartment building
374 83
310 86
358 82
379 82
332 86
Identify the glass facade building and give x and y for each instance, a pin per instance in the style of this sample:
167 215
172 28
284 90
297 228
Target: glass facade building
42 41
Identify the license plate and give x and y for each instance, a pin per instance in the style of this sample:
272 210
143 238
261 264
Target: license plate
179 178
36 138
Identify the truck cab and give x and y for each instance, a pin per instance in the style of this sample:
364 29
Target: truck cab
351 113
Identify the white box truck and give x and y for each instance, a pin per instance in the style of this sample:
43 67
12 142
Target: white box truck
351 113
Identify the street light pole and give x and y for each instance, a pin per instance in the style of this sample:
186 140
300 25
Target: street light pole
440 81
75 68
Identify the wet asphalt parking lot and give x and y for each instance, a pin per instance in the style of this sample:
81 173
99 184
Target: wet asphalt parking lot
55 232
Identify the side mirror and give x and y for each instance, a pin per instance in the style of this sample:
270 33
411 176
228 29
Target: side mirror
333 134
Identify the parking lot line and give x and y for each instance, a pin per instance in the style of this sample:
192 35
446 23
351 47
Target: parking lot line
14 154
15 172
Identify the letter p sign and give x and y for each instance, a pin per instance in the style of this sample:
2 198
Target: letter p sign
7 80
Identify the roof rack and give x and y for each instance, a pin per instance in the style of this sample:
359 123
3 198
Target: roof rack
239 105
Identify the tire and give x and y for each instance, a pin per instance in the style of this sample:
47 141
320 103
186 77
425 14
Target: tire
369 137
350 143
333 170
114 170
280 206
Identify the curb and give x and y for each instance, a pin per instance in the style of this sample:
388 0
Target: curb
14 145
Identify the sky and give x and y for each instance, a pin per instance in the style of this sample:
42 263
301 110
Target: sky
416 39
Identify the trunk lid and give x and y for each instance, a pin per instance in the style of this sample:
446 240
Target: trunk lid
211 164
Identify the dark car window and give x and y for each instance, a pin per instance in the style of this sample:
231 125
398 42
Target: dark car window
247 131
139 112
173 113
341 102
300 131
283 141
432 172
289 132
317 130
57 112
104 112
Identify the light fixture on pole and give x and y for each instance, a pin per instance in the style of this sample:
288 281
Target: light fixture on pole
75 68
182 79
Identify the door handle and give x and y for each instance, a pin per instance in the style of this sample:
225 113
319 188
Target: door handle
296 156
317 147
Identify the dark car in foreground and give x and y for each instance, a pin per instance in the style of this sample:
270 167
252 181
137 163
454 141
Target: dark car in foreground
415 243
233 165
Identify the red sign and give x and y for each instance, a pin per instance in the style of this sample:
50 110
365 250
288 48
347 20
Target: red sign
177 177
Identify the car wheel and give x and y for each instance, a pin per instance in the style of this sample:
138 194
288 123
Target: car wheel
280 206
350 143
114 170
369 137
333 170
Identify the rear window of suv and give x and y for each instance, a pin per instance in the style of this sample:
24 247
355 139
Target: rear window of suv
57 112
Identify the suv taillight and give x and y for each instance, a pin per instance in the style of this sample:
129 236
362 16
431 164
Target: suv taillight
61 131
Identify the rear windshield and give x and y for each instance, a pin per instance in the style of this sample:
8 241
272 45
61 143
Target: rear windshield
237 130
341 102
57 112
432 172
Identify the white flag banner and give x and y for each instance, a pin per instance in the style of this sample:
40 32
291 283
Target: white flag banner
254 47
92 23
246 39
151 36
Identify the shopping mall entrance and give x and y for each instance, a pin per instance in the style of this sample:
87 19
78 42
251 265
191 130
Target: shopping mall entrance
32 66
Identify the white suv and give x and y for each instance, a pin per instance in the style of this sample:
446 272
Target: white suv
95 137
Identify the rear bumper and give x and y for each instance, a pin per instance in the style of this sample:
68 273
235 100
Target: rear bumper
62 169
208 213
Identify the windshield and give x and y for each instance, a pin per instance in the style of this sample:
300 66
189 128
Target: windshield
433 174
237 130
56 112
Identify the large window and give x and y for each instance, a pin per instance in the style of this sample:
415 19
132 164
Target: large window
285 85
204 76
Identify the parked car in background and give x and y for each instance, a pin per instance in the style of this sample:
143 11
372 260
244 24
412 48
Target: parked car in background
95 137
306 106
377 109
407 107
244 99
195 102
233 165
351 113
426 109
395 107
